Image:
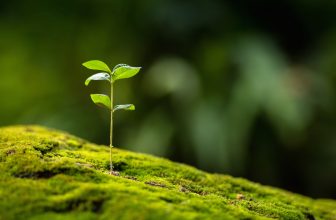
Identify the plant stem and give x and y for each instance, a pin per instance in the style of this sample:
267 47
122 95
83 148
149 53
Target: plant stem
111 130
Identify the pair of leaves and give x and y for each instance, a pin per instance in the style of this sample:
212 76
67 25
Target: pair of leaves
104 101
120 71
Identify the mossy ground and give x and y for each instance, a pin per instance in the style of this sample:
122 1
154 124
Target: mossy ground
47 174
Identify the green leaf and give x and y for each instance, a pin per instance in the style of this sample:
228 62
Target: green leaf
123 71
124 107
97 65
101 100
98 76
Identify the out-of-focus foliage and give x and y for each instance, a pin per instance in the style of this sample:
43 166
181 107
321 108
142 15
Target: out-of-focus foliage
242 87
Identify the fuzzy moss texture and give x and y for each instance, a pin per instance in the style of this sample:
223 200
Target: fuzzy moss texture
48 174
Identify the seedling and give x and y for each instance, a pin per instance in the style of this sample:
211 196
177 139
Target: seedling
120 71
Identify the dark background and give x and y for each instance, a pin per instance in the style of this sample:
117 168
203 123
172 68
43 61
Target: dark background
245 88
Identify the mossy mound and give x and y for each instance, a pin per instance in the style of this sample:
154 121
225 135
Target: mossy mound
47 174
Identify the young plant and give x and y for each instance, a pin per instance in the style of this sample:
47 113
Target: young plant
120 71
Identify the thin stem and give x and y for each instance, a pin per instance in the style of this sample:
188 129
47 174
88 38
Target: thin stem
111 130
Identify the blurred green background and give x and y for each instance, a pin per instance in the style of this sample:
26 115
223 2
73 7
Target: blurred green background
245 88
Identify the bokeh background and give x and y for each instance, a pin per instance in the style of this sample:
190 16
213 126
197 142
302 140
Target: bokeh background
245 88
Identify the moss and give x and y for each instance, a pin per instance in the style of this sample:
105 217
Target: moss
48 174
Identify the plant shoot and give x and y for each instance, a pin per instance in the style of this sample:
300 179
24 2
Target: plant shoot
120 71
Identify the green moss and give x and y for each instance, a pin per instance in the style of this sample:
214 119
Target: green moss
47 174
